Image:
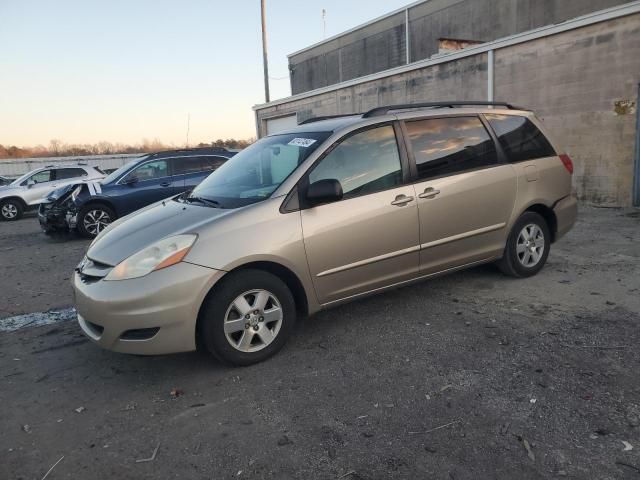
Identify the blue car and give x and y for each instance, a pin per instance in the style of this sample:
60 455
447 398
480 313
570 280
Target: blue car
90 206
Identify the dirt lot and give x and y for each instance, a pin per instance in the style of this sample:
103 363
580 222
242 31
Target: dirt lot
468 376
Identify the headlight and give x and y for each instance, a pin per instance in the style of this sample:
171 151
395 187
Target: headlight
159 255
76 192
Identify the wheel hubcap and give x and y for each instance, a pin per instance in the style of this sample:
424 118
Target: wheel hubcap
530 247
253 320
9 210
95 221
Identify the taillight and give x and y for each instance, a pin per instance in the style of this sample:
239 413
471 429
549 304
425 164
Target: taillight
566 161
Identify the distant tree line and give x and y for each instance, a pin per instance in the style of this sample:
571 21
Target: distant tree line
57 148
229 143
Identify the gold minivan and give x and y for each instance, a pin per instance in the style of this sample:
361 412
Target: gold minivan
327 212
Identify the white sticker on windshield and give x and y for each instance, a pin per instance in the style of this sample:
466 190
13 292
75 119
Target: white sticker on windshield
302 142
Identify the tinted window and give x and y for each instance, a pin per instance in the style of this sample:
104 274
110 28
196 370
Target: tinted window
213 163
364 163
186 165
41 177
444 146
149 171
520 138
64 173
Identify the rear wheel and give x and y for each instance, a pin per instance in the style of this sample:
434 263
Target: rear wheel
248 318
92 219
527 247
11 210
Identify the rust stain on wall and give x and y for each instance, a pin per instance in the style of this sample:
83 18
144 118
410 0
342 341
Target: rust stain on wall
624 107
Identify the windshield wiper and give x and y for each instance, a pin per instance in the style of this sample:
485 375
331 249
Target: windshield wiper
204 201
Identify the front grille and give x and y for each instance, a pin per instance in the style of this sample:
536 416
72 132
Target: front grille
92 271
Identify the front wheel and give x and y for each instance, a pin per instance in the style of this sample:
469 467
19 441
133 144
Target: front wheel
527 247
92 219
11 210
248 317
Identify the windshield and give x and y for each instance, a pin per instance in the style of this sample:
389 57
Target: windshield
116 173
257 171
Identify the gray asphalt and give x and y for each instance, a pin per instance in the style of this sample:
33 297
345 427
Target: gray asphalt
472 375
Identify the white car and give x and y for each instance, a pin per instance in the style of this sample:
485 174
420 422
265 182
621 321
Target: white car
28 191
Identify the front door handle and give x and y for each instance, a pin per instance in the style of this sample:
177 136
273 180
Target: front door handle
402 200
429 193
165 184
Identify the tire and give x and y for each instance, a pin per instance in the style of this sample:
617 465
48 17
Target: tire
523 256
94 218
11 210
249 337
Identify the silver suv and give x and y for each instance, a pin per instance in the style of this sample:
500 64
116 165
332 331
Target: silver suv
325 213
28 191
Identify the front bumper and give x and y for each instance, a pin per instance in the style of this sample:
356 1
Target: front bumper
156 314
52 217
566 211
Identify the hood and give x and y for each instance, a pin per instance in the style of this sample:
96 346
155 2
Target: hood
59 193
134 232
6 189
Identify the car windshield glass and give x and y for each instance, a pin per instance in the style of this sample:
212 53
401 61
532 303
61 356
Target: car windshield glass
21 179
116 173
256 172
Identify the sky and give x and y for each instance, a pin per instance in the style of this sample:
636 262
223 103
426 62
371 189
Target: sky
85 71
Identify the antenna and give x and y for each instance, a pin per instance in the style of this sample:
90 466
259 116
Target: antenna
324 23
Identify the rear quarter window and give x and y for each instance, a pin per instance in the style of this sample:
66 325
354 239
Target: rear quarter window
520 139
66 173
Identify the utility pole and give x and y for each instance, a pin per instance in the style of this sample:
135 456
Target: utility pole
264 52
188 127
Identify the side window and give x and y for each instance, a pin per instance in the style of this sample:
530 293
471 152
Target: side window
66 173
445 146
366 162
149 171
40 177
520 138
185 165
213 163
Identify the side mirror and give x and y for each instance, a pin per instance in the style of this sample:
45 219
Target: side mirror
30 183
131 181
324 191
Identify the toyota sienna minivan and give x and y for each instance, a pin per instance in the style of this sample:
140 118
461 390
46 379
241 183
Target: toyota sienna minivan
327 212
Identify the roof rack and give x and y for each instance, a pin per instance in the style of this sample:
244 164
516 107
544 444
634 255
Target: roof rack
327 117
377 112
187 150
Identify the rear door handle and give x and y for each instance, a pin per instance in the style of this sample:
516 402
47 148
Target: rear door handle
429 193
165 184
402 200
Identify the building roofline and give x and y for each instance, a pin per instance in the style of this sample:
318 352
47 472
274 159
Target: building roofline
358 27
546 31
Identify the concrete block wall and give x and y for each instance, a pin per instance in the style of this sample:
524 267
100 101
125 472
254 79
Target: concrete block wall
575 81
382 45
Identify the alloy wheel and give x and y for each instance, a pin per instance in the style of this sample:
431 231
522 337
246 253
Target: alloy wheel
253 320
95 221
530 246
9 211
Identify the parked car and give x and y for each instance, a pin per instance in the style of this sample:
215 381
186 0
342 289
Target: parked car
28 191
90 207
322 214
5 180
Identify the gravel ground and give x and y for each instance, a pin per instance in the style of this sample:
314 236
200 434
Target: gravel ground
472 375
